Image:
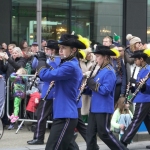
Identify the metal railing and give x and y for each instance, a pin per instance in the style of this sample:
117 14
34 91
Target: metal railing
25 104
2 103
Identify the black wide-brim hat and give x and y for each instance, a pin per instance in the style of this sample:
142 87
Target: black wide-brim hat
52 44
104 50
139 54
72 41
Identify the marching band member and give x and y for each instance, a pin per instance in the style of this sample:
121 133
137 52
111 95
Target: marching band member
67 77
45 107
102 101
120 71
142 98
86 64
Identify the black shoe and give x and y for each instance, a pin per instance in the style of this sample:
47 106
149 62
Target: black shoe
148 147
125 144
35 142
97 147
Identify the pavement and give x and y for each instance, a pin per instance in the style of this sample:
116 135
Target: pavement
13 141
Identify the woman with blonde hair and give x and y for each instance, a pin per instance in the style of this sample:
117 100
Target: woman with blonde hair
14 62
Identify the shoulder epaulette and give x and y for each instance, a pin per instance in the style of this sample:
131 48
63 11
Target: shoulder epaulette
109 68
145 67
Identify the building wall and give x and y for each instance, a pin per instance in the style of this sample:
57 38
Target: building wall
136 18
108 19
148 21
5 21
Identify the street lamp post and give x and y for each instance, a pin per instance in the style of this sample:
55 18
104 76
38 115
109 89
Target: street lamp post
39 15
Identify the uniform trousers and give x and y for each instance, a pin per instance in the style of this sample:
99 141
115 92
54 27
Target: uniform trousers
45 108
82 128
100 122
141 113
61 134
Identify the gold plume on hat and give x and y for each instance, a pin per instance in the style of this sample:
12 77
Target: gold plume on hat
82 53
84 40
115 51
147 52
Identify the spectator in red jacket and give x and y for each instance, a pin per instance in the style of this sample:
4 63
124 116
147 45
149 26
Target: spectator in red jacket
33 102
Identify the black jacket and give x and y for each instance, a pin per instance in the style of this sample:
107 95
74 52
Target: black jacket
13 65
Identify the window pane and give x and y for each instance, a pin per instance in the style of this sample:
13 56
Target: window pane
22 13
54 19
93 19
96 18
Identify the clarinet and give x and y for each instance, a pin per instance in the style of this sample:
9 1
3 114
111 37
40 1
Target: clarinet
49 89
85 83
36 75
33 81
128 88
140 86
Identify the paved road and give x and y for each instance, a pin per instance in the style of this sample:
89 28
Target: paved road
12 141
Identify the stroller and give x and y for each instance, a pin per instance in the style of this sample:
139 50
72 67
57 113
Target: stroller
2 103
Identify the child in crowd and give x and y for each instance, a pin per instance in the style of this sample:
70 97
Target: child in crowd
18 84
32 105
33 102
121 117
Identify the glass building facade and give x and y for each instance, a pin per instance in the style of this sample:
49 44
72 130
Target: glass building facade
93 19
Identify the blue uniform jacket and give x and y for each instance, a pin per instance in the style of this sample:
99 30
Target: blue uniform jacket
145 96
45 86
67 79
121 75
79 103
103 100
